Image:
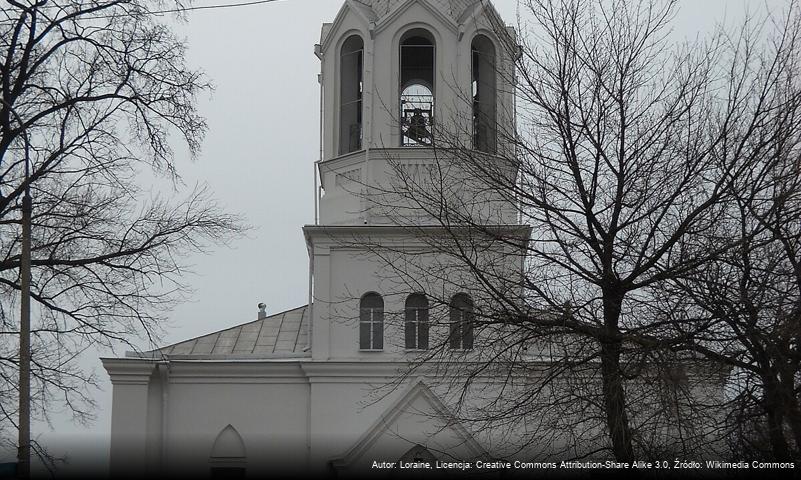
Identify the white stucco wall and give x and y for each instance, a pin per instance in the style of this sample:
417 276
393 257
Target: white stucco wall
292 416
352 261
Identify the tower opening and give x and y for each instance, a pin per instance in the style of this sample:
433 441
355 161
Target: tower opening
484 94
417 88
350 95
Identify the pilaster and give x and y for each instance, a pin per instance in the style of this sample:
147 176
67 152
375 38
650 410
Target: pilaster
129 418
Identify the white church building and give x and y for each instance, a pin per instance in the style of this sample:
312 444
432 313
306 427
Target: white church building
318 388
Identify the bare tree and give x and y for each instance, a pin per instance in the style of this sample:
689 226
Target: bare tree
96 90
625 164
749 298
748 301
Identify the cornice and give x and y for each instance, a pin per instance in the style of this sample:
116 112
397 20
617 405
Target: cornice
320 233
235 371
129 371
356 371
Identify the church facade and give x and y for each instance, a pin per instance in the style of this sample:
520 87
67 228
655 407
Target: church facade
327 387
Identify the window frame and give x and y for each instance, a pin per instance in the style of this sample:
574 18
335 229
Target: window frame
416 320
374 317
459 337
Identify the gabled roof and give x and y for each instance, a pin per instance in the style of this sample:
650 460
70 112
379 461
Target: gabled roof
449 7
378 14
417 390
438 9
367 13
363 12
284 333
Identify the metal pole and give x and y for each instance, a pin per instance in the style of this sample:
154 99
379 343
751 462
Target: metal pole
24 424
24 451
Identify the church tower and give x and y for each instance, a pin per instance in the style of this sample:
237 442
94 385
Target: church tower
407 87
405 84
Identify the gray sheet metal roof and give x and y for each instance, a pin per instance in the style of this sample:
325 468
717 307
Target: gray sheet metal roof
281 333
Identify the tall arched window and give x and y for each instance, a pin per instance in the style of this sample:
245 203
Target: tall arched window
371 322
461 313
417 88
350 94
484 94
416 322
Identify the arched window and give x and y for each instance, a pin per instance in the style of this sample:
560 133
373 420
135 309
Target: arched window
371 322
461 331
417 88
416 321
228 456
350 94
484 94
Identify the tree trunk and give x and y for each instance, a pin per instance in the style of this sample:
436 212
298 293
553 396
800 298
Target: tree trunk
794 418
614 396
791 409
775 420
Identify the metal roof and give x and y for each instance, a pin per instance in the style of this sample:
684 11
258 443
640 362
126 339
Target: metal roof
281 333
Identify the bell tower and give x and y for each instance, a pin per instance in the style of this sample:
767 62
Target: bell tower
404 83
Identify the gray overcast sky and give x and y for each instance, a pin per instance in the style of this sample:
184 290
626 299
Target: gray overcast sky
258 159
